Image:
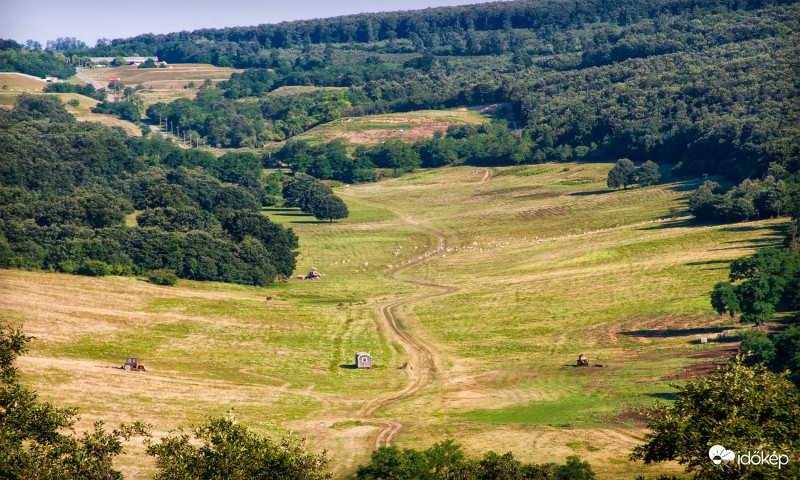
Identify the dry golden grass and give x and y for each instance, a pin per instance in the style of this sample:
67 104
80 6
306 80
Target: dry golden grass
110 120
132 75
162 84
16 82
545 263
407 126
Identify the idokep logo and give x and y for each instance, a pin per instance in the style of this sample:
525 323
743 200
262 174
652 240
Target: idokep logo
719 454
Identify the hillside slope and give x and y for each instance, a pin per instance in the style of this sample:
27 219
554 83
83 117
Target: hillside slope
535 266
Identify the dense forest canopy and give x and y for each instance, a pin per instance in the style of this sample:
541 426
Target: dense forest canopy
15 58
69 188
455 30
710 89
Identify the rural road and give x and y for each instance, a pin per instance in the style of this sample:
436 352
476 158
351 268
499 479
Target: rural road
95 83
157 129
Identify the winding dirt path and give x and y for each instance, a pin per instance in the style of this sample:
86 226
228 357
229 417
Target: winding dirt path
419 354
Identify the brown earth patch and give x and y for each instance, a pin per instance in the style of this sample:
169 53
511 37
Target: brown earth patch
718 352
702 369
376 135
626 418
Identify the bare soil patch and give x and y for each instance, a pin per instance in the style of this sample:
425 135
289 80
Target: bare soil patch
634 417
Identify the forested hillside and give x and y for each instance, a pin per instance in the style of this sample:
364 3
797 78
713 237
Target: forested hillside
14 58
550 26
69 189
706 87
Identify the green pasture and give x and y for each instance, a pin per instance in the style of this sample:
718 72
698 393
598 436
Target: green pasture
547 263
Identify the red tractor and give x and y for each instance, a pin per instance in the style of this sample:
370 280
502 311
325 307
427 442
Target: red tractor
132 363
583 361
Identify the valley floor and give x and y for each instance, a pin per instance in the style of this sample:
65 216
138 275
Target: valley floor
487 282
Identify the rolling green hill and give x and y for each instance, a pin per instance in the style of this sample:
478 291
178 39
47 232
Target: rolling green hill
484 248
531 268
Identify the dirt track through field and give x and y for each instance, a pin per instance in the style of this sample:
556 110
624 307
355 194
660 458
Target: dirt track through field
419 354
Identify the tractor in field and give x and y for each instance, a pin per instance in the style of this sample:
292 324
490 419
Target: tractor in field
583 361
133 364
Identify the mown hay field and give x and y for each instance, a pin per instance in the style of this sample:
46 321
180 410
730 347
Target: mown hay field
545 261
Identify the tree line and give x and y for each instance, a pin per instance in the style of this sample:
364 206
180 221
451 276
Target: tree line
69 189
314 197
15 58
87 90
472 30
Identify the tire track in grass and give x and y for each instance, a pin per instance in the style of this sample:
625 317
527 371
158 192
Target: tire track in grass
419 353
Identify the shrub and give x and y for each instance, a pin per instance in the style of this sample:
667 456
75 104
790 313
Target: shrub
163 277
94 268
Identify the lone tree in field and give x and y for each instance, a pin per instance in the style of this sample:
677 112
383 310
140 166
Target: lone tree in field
738 407
647 173
758 284
622 174
330 207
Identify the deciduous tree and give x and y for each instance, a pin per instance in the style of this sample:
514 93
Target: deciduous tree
622 174
330 207
739 407
222 448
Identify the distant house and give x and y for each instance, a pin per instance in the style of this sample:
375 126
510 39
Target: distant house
363 360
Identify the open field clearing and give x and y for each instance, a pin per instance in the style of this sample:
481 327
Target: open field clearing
162 84
85 104
409 126
488 282
110 120
10 82
299 89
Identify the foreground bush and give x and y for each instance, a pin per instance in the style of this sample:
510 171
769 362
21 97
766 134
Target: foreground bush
221 448
34 438
445 460
163 277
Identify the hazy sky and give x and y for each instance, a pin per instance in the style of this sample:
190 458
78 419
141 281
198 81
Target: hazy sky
44 20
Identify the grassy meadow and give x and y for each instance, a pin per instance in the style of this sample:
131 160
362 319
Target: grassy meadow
162 84
14 82
545 263
372 129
